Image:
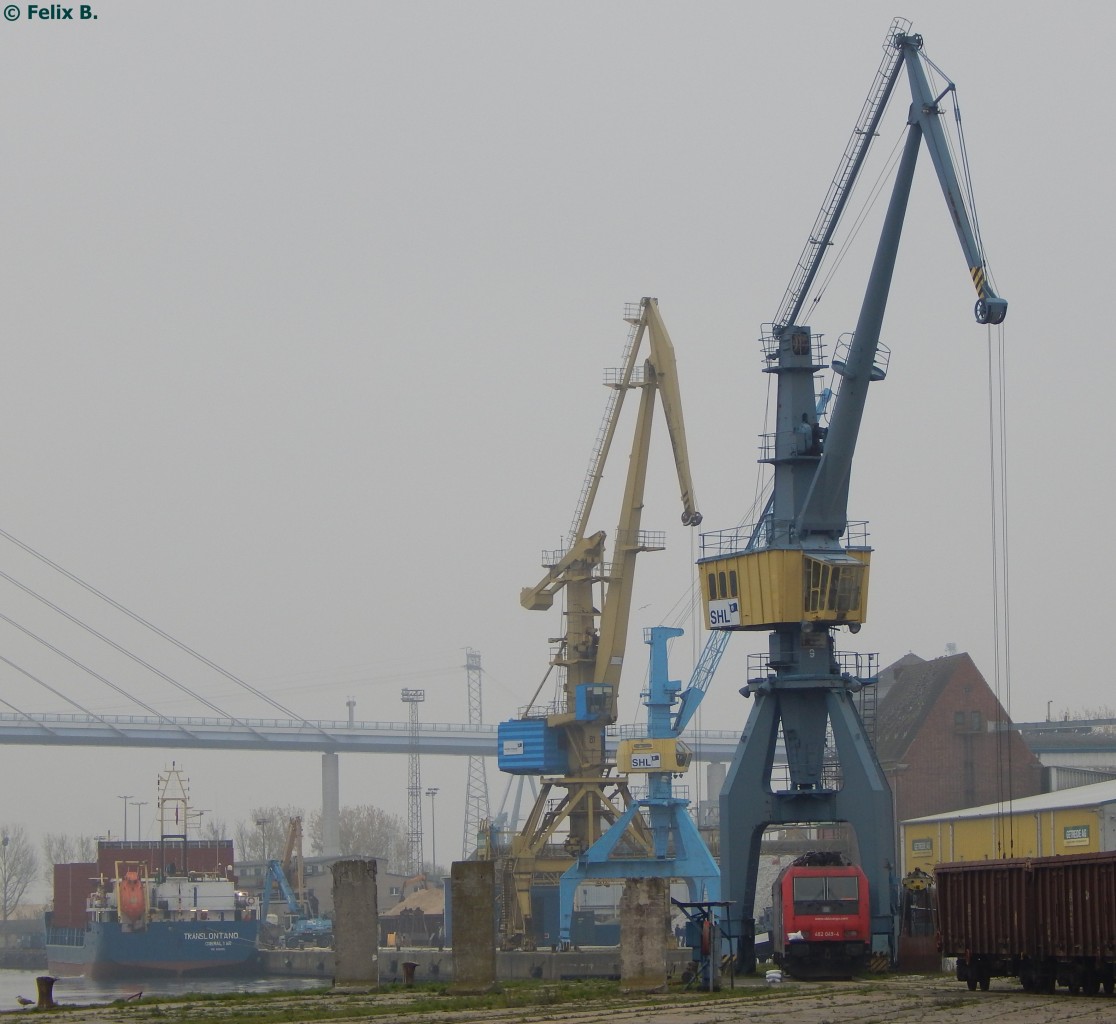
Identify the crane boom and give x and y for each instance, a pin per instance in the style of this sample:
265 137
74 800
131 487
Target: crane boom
926 112
660 376
619 386
824 512
821 234
702 675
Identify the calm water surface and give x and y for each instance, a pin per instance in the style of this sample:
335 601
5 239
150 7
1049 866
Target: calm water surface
83 991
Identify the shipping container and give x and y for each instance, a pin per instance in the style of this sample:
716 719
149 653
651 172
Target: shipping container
72 885
528 746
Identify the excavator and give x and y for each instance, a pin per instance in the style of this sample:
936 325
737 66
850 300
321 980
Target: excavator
563 742
302 927
801 571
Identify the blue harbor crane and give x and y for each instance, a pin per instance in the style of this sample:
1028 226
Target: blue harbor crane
801 572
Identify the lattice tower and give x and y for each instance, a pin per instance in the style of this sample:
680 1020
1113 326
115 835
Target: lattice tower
413 698
477 812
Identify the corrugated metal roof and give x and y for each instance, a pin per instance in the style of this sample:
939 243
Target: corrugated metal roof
1079 796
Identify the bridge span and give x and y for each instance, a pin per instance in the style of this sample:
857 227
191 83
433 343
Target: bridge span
277 734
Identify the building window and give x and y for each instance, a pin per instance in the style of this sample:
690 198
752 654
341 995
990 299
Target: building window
968 721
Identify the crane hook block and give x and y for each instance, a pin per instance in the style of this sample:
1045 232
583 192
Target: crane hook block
991 310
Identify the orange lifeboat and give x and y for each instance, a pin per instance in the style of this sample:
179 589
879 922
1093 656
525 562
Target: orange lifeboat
131 899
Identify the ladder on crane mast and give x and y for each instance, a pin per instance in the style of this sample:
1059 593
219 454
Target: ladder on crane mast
821 234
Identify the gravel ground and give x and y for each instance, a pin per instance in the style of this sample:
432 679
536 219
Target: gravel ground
888 1000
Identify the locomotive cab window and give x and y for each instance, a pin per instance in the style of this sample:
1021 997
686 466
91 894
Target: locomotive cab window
823 894
844 888
807 888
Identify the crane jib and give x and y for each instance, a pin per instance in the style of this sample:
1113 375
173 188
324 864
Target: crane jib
979 281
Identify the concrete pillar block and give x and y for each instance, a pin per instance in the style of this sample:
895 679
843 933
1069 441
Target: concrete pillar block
644 934
356 924
473 896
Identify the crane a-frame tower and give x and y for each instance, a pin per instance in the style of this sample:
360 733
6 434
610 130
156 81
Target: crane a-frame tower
580 795
802 570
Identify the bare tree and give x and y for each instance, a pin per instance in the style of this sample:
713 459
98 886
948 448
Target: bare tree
366 831
264 834
19 864
214 829
59 848
1092 714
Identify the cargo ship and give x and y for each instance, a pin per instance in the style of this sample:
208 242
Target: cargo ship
162 907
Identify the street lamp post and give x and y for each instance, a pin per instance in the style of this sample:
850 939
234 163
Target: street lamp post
4 843
126 799
432 792
262 824
137 804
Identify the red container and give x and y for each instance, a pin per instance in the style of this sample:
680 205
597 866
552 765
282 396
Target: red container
73 884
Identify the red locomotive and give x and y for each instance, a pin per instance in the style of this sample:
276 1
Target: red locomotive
821 924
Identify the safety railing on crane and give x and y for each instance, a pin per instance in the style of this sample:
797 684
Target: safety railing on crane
862 667
678 791
880 360
769 343
641 540
618 377
759 535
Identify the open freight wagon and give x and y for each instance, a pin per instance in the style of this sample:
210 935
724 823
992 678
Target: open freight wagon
1046 920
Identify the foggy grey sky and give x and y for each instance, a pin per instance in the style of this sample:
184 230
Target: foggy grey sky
307 309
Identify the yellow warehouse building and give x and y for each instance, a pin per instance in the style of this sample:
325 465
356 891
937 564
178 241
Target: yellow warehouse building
1078 820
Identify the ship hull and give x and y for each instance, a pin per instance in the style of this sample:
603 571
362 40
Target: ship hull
104 950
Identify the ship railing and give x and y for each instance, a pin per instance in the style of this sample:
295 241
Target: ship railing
65 936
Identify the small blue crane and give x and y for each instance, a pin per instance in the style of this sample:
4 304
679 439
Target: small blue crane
676 847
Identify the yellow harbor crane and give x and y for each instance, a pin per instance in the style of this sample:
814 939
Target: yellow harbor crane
564 742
